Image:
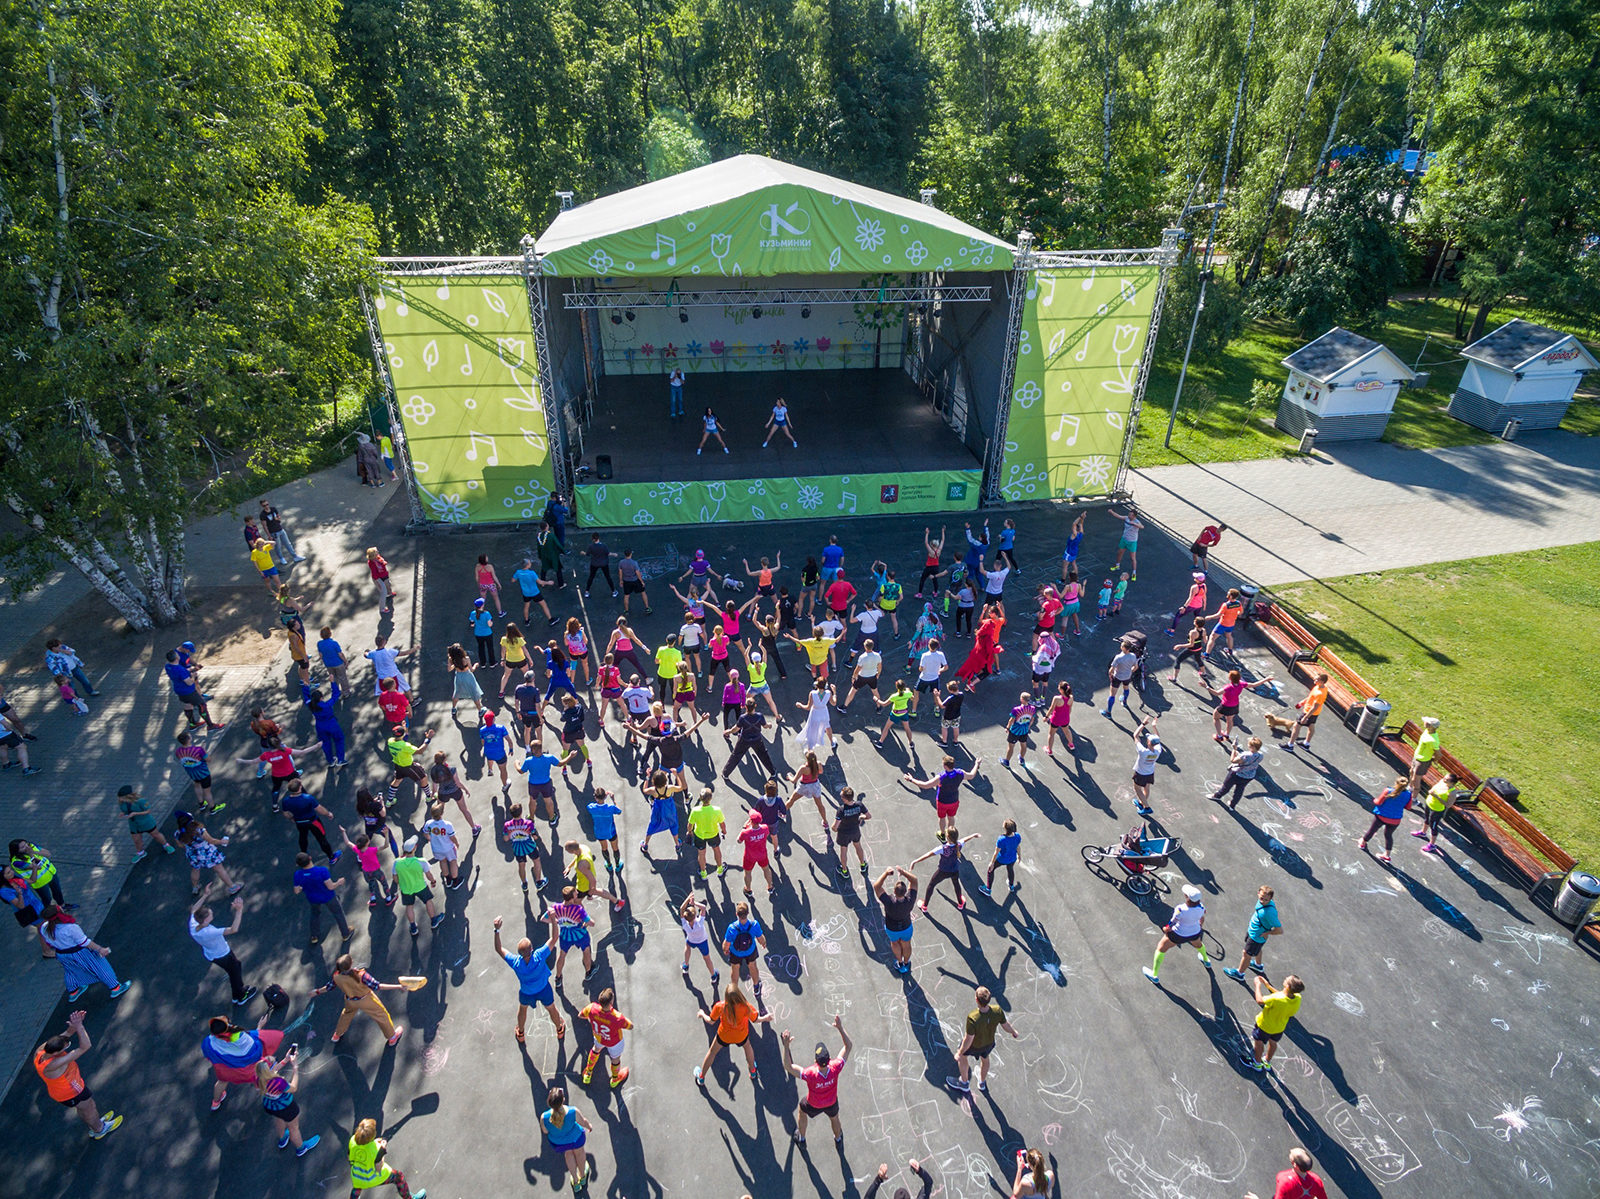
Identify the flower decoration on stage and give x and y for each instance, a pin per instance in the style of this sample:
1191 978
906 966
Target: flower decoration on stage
693 349
417 410
801 345
449 507
1094 471
1028 394
916 253
869 233
823 343
717 347
647 349
669 352
739 348
627 353
778 349
600 262
644 517
810 496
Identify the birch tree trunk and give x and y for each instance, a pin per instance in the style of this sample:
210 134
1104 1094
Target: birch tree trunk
1314 183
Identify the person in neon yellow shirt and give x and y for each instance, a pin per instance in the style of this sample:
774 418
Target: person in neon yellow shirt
1277 1009
668 658
1427 747
816 649
1441 798
708 826
899 705
367 1167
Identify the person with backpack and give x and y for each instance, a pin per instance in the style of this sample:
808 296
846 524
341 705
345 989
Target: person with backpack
743 944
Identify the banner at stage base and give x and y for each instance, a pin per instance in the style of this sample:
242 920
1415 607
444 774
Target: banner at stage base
461 354
1083 338
714 500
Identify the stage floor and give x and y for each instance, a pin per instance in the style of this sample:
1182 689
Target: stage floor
847 422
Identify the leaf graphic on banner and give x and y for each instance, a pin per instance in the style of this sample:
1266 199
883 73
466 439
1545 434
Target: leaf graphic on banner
1113 418
1056 342
494 301
536 440
430 354
521 404
834 258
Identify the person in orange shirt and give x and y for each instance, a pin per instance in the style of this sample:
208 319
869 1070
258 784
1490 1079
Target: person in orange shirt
56 1062
1310 709
731 1016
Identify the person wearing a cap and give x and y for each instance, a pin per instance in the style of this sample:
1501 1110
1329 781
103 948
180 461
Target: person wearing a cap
821 1080
1146 753
482 622
755 836
1186 927
135 809
1193 605
411 879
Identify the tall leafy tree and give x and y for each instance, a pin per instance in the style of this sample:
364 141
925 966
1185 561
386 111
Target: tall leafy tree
164 293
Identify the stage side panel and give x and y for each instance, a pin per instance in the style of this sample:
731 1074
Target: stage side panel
467 385
1083 335
707 502
784 337
963 348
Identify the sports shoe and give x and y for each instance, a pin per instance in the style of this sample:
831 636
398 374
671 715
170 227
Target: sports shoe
956 1084
983 1085
983 888
335 858
1232 973
307 1145
283 1141
1383 857
1152 976
413 928
436 921
1259 968
697 451
142 855
961 904
170 848
1430 847
249 994
1421 832
620 1077
699 1078
108 1124
121 989
398 1033
724 449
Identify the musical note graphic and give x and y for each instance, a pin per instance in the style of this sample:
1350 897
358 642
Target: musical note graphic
476 439
1048 284
672 249
1089 282
1083 351
851 496
1062 424
1128 292
466 350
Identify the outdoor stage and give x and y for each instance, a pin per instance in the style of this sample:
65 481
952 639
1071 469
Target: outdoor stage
869 442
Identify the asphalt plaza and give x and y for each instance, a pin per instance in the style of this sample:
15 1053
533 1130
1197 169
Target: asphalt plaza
1444 1045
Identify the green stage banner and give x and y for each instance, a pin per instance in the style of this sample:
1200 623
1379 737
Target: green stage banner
785 229
1083 337
461 352
709 501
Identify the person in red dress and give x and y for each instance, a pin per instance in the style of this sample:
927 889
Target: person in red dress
985 655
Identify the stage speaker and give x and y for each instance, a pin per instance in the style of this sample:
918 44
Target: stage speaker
602 467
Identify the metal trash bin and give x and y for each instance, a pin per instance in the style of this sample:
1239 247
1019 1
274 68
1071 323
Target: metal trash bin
1248 592
1513 427
1308 441
1374 715
1578 895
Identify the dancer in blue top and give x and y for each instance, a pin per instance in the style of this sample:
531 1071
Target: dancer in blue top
713 429
532 968
184 686
329 733
494 737
1005 854
1387 810
560 679
1069 556
603 813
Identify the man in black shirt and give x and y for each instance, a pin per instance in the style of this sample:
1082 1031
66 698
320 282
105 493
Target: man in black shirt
847 829
599 563
528 695
749 728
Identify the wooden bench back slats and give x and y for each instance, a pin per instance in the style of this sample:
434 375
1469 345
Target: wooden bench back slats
1352 681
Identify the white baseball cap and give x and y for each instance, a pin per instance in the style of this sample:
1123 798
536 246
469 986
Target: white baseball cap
1192 893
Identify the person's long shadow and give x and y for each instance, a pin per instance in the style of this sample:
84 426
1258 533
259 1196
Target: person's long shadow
1436 903
1320 1052
1287 859
1334 1162
1030 935
1481 887
756 1152
926 1030
629 1170
1222 1028
365 1096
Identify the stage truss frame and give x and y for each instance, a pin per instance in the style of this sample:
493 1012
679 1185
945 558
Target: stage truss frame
726 298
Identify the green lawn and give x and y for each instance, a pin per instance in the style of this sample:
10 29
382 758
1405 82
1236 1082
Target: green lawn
1217 424
1503 650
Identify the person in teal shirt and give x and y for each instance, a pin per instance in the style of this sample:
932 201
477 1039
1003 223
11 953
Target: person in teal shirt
1264 923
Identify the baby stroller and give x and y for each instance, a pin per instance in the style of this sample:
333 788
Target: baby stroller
1138 642
1140 856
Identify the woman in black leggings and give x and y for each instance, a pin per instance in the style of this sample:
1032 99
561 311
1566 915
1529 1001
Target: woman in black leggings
769 644
949 867
1195 649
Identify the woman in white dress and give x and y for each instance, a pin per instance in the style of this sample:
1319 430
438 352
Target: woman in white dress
818 731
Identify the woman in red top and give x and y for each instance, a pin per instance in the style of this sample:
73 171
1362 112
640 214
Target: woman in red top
379 569
985 655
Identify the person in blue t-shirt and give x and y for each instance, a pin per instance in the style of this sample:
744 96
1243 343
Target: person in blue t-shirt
538 768
1264 923
494 738
1008 541
332 655
482 622
318 886
832 560
603 813
529 581
181 674
532 968
329 732
1069 556
1005 854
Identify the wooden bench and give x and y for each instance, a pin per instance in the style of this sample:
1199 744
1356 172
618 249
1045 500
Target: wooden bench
1398 747
1287 637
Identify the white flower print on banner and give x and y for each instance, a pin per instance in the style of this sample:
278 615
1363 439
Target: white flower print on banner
601 263
869 233
1094 471
644 517
417 410
1028 394
916 253
810 497
448 506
